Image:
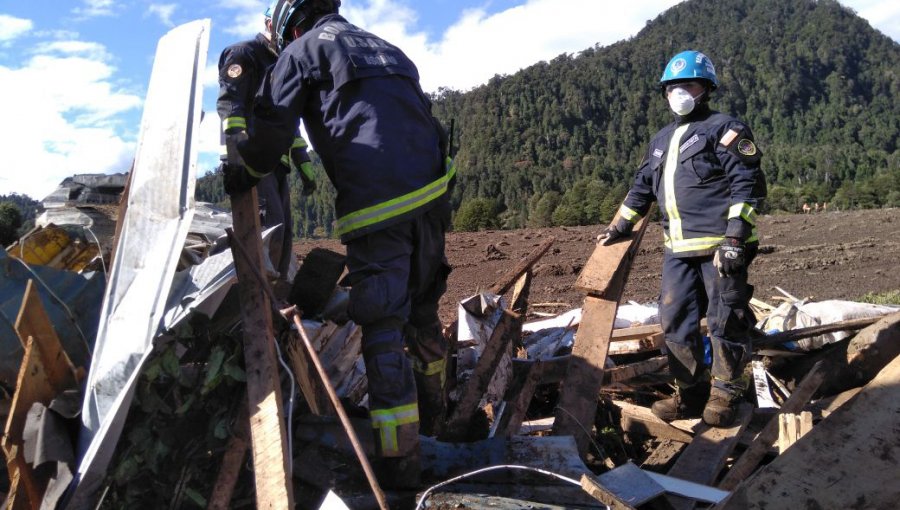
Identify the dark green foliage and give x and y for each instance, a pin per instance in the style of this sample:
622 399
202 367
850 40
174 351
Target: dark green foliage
10 221
816 84
28 210
179 422
477 214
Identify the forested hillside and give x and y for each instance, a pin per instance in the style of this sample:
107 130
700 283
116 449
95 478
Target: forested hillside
558 142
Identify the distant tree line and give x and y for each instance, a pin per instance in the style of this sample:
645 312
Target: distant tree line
558 143
17 215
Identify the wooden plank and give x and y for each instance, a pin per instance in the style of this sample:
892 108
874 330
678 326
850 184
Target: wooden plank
705 457
525 380
635 332
848 460
232 461
747 462
267 426
31 386
475 386
602 494
800 333
625 372
605 261
791 427
661 458
509 279
45 372
640 420
33 321
651 343
604 276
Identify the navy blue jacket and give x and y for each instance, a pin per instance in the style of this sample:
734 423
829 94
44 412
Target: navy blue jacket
242 67
367 118
704 173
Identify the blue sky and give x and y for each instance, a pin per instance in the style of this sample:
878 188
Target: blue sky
73 76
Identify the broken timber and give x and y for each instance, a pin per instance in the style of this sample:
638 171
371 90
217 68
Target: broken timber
268 433
848 460
45 372
603 277
747 462
705 457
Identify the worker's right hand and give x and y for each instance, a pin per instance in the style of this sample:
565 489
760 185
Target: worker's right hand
615 231
236 178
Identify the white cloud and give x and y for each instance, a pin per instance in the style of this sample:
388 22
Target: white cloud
163 12
68 118
479 45
12 28
883 15
94 9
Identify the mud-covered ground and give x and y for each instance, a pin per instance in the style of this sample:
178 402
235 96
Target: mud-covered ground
833 255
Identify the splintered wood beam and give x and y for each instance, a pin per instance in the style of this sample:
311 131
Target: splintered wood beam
232 461
705 457
800 333
604 278
751 458
509 279
848 460
507 327
660 459
640 420
526 378
268 435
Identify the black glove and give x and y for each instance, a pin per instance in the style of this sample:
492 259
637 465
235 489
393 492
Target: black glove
236 179
729 259
614 231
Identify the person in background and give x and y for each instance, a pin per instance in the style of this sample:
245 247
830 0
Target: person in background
367 117
703 169
242 67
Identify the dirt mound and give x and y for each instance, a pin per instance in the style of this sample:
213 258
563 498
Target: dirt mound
834 255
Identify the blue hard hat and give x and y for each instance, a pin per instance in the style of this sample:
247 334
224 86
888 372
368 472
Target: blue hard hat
690 65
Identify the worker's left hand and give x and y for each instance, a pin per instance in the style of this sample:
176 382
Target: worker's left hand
729 258
236 179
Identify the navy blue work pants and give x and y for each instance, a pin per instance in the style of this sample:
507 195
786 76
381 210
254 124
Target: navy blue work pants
691 289
274 196
397 276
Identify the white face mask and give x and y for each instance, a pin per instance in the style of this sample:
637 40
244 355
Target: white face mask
681 101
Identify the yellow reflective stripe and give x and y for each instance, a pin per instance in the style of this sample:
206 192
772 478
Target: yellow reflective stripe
629 213
695 244
387 421
254 173
744 211
669 180
299 143
428 369
395 207
234 122
286 160
306 168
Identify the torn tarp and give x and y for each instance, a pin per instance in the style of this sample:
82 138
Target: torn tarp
72 302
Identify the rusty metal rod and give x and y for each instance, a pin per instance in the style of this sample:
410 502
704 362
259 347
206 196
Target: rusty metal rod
291 313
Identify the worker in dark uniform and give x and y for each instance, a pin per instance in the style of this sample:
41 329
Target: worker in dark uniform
242 67
369 120
704 172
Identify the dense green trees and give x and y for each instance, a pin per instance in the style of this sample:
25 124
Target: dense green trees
558 143
10 222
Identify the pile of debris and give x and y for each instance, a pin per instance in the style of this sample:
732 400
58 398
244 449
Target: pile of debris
549 413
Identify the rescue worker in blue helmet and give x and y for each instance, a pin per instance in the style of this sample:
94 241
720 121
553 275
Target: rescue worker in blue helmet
367 117
242 67
704 172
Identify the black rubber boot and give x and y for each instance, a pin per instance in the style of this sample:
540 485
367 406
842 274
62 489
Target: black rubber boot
687 402
401 473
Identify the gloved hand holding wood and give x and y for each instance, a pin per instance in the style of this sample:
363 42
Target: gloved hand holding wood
616 230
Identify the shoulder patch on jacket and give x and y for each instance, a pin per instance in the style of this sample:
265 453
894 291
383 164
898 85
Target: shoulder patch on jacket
746 147
234 70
